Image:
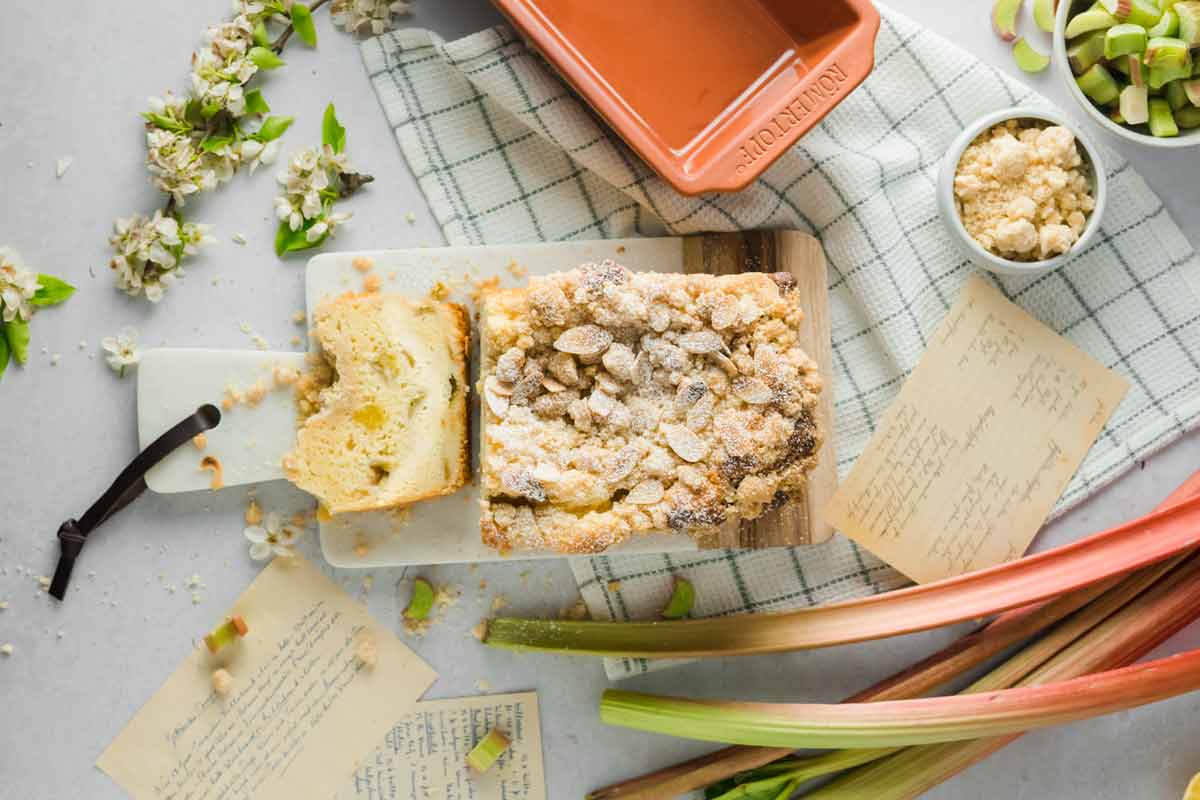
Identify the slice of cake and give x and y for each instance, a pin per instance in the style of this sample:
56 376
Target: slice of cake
616 403
390 427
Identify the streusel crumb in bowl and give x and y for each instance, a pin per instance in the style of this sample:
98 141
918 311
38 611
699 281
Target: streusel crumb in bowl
1021 191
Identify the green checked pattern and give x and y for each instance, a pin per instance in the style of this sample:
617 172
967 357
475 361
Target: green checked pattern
505 152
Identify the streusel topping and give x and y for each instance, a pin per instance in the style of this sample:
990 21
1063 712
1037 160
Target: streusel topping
617 402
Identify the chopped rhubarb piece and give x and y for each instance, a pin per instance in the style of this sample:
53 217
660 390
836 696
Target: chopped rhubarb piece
1135 105
1162 121
1004 18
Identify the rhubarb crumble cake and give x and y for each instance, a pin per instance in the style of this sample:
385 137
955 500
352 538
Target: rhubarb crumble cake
384 406
617 403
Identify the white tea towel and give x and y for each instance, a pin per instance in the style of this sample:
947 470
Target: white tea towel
506 153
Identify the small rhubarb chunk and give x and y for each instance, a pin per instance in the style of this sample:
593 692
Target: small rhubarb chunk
422 601
1004 18
1099 85
1136 75
1167 51
1028 59
485 754
1192 90
1189 21
1167 26
1123 39
1139 12
1176 95
1086 51
1162 121
227 632
1135 105
683 597
1188 118
1094 19
1161 76
1043 14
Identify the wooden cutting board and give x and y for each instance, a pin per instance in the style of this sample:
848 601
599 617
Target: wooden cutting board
798 522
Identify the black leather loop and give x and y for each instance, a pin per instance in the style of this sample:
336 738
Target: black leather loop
72 534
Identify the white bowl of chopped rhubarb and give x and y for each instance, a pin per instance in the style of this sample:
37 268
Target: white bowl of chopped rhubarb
1022 191
1134 67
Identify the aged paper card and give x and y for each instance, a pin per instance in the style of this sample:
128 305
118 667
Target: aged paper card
302 714
982 440
424 755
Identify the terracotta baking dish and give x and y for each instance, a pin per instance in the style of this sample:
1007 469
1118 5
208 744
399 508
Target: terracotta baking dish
708 92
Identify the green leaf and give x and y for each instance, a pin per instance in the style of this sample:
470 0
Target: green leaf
261 37
3 355
290 241
302 22
255 104
332 132
265 58
192 112
52 292
211 144
165 122
272 128
17 333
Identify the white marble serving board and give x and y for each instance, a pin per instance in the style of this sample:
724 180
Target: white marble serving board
250 441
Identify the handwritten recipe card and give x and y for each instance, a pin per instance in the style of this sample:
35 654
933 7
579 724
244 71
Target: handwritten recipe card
303 711
425 754
980 443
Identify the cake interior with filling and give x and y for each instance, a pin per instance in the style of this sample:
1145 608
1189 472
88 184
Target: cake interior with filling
384 408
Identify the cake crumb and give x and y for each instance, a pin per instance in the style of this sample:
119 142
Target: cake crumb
410 217
576 611
620 249
361 548
285 376
200 441
363 263
300 318
439 291
366 652
256 393
483 685
6 649
499 602
371 283
295 341
214 464
613 586
43 581
3 605
260 342
245 327
254 514
516 270
222 682
480 630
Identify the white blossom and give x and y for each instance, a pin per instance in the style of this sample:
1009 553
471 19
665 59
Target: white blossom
310 172
273 537
122 350
149 249
179 167
254 153
326 225
18 285
367 16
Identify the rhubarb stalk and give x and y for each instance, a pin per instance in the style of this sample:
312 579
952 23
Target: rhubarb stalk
915 681
1019 583
1122 639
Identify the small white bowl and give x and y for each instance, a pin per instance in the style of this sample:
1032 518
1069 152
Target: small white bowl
1186 138
975 251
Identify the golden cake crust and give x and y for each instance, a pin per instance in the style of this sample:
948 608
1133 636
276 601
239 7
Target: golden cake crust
616 403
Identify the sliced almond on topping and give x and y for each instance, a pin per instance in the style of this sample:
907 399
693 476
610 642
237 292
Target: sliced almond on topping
752 390
563 367
703 341
600 404
643 370
699 415
765 359
520 482
496 402
645 493
583 340
748 310
551 385
619 360
686 444
509 364
688 393
622 463
659 318
725 313
606 383
498 387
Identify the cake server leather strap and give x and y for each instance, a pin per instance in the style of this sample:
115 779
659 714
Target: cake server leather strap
72 534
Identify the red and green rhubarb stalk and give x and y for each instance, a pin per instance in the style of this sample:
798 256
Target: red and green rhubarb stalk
917 680
1029 580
